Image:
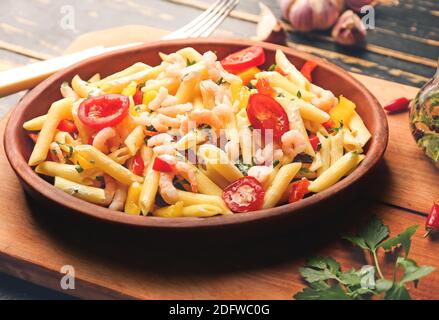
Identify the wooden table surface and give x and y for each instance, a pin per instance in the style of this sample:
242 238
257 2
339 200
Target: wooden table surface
403 48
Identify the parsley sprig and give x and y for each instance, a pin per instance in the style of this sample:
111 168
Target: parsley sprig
327 281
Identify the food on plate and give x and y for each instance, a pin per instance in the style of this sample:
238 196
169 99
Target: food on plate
198 137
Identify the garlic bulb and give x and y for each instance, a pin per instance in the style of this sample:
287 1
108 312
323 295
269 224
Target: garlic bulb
349 30
307 15
356 5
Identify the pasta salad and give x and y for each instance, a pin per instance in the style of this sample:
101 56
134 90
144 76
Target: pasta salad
198 137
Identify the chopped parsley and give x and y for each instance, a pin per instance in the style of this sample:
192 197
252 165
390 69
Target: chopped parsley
250 86
272 67
243 167
339 128
190 63
78 168
275 163
299 94
221 81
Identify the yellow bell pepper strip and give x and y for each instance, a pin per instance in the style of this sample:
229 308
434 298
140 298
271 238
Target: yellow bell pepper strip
244 96
130 90
173 211
148 96
248 75
132 203
342 112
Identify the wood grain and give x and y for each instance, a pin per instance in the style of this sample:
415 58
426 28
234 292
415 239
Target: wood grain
401 49
111 262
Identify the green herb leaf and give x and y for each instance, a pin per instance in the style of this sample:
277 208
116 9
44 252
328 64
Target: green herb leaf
78 168
275 163
319 269
332 293
370 236
299 94
412 272
397 292
404 239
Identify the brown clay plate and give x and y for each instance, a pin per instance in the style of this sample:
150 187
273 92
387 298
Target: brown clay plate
18 146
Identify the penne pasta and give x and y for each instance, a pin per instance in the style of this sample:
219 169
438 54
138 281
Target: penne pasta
106 164
89 194
280 184
196 136
328 178
58 111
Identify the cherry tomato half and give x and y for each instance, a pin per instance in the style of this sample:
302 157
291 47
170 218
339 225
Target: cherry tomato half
138 165
244 59
265 113
161 165
244 195
67 126
299 189
138 97
263 87
103 111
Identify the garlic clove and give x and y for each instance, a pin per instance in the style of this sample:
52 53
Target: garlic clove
349 30
308 15
269 28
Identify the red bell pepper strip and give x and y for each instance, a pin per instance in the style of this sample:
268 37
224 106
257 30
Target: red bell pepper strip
138 165
263 87
315 142
398 105
67 126
299 190
307 69
162 166
432 223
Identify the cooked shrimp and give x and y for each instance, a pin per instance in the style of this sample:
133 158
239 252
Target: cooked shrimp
205 117
157 102
324 99
110 189
105 137
167 188
265 155
293 142
160 139
165 149
261 173
173 111
223 111
210 60
208 90
186 171
119 198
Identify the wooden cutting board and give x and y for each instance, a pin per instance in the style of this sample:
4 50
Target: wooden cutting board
111 262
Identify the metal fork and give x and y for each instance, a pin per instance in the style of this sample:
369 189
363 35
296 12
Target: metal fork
206 23
26 77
